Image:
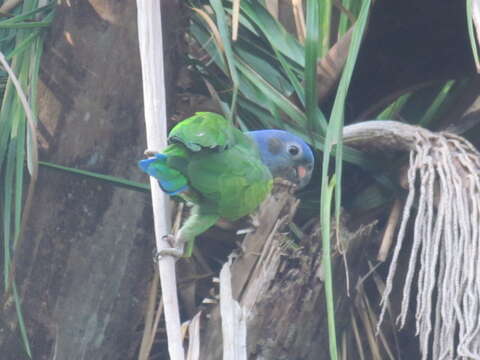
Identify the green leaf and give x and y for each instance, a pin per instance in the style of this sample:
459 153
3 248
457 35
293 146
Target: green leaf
21 322
325 215
325 14
267 71
312 49
225 35
276 97
113 180
334 137
343 22
394 108
21 43
274 32
437 103
471 33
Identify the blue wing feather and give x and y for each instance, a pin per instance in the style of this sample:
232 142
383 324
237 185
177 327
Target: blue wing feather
170 180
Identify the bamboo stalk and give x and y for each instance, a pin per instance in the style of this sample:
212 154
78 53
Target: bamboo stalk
151 54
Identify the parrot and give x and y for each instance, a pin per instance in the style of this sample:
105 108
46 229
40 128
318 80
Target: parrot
224 172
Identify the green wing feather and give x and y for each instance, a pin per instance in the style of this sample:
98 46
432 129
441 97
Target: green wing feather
214 165
234 181
220 164
203 130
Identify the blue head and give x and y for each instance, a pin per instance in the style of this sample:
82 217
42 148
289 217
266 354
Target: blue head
286 155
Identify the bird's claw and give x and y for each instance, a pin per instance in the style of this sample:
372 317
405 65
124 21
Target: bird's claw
254 220
170 239
248 230
150 153
254 223
174 251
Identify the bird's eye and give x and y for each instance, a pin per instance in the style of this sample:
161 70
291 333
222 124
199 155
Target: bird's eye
293 150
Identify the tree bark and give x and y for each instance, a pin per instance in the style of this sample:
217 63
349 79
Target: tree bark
281 288
85 261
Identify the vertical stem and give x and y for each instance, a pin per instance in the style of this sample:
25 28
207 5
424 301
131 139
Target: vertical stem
151 53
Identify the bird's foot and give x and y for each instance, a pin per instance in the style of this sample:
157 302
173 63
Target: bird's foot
254 223
225 224
150 153
285 184
254 219
176 250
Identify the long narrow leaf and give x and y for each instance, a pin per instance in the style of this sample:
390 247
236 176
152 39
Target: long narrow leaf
343 22
21 322
225 34
436 104
325 213
113 180
279 99
393 109
21 42
312 48
274 31
325 14
334 136
471 12
337 116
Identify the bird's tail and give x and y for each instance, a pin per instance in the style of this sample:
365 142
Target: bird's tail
171 181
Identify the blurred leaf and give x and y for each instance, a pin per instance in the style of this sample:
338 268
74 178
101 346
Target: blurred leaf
344 21
21 41
394 108
334 136
473 17
312 49
436 104
225 35
325 14
21 322
267 71
334 132
276 34
325 213
276 97
113 180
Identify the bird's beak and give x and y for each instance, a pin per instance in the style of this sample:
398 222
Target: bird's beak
303 176
301 172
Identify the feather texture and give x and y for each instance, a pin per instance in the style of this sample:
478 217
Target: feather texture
224 172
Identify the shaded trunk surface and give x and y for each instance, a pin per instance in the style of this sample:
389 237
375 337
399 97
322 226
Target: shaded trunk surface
85 261
281 286
84 264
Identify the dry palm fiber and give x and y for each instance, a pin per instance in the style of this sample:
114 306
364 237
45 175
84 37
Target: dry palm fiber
443 180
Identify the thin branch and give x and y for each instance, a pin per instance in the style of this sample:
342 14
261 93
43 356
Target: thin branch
149 330
299 17
235 19
151 54
392 223
234 329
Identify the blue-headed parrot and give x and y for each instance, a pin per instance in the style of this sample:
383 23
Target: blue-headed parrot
224 172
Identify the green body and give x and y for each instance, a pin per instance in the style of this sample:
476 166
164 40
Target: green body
223 167
217 167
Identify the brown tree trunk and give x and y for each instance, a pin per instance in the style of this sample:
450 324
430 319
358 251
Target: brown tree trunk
281 286
85 260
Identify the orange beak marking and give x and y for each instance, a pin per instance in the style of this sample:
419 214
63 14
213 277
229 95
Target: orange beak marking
301 171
